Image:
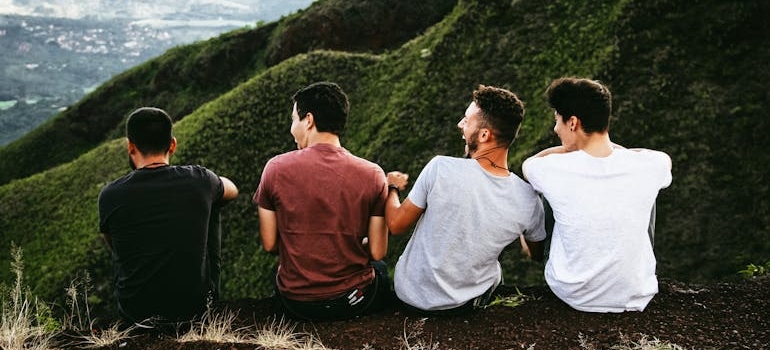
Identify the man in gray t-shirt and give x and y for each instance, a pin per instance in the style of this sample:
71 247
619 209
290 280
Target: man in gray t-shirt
466 211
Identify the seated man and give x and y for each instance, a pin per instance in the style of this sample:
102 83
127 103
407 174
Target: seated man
322 209
602 196
159 222
467 211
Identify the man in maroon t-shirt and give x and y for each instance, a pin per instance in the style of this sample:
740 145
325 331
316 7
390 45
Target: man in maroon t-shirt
322 209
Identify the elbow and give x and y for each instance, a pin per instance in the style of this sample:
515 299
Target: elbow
377 256
396 229
269 247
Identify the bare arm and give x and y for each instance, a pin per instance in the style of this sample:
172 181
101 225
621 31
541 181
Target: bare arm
551 150
400 216
534 250
231 191
378 237
268 229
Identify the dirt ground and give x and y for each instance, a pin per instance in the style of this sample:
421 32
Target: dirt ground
717 316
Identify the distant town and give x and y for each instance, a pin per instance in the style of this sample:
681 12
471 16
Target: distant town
49 63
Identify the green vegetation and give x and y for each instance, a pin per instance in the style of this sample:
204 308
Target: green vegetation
513 300
752 270
685 78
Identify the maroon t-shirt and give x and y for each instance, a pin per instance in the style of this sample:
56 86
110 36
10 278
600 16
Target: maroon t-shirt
323 197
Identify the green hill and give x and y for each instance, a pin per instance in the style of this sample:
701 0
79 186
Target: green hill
685 76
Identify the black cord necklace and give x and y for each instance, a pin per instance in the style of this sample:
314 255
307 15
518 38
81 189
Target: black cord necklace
484 156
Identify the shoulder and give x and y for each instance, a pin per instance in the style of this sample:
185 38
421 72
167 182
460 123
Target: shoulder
535 163
283 159
193 170
115 185
364 163
446 161
649 155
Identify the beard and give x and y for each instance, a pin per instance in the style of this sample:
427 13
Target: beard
472 144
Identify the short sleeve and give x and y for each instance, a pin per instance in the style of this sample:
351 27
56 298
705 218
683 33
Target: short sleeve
104 210
381 196
216 184
419 193
536 230
263 196
531 169
665 164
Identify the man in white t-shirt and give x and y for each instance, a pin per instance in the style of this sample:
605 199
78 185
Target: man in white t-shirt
601 257
466 211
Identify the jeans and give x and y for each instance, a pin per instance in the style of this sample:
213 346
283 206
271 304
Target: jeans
370 299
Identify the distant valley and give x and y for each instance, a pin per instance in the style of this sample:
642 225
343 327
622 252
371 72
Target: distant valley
49 63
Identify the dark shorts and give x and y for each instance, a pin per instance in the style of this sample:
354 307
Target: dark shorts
477 303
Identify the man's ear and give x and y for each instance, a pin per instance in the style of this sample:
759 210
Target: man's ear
310 120
131 147
485 135
172 146
574 123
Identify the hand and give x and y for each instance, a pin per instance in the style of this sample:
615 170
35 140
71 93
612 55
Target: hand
398 179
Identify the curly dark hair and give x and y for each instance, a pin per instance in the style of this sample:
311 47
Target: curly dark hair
501 111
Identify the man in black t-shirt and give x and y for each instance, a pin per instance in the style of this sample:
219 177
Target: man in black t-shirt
161 223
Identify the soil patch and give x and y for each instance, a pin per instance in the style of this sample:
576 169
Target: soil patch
716 316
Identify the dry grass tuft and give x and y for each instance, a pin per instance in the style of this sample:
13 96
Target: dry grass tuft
413 339
275 334
627 344
22 324
104 337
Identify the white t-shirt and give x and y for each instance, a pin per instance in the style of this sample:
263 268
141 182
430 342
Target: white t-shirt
601 257
470 216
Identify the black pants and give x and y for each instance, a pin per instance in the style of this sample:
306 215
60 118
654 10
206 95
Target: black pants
370 299
477 303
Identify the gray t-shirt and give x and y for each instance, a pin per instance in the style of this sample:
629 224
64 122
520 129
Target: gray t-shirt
470 216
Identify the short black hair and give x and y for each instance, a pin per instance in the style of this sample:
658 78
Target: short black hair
501 110
328 104
149 128
586 99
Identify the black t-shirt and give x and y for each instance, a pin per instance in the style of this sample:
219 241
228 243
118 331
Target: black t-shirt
158 222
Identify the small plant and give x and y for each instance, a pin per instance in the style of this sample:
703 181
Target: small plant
514 300
277 334
412 339
752 270
104 337
24 324
627 344
216 327
78 319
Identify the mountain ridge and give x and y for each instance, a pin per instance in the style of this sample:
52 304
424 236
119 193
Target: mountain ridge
405 103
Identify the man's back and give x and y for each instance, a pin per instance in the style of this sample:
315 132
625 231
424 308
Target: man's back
601 257
323 197
470 216
157 220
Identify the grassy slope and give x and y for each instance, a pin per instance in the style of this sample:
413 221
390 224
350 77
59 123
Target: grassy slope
690 79
406 102
180 81
186 77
